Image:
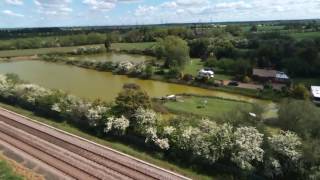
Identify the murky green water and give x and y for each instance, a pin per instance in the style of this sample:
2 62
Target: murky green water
93 84
115 57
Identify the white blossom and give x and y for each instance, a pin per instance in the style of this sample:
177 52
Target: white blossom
125 66
139 68
5 86
145 118
30 92
247 147
287 144
221 141
151 134
119 125
162 143
95 114
56 107
273 168
168 130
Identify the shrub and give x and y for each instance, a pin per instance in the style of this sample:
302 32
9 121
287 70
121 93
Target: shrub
300 92
130 99
246 79
187 77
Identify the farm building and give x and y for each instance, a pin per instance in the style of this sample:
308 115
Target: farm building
270 75
315 91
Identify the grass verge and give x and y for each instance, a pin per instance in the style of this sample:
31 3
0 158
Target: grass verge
132 46
205 106
6 171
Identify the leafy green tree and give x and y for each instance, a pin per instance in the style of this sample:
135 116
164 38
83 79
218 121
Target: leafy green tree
199 47
130 99
301 117
235 30
300 92
254 28
174 50
149 71
107 44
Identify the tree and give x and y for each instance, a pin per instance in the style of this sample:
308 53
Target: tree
247 147
199 47
286 144
130 99
300 92
144 119
235 30
254 28
107 44
174 50
117 125
301 117
286 151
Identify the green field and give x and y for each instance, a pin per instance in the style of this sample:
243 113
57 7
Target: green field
30 52
6 172
195 65
214 107
305 35
307 81
132 46
127 149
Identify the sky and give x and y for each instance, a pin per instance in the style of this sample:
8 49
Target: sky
52 13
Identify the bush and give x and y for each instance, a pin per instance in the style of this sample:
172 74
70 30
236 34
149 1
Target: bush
268 86
246 79
130 99
149 71
187 77
300 92
174 73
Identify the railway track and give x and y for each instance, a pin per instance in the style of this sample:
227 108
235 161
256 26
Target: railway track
75 156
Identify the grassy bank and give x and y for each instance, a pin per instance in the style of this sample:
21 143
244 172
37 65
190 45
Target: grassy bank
132 46
212 107
307 81
6 171
128 149
305 35
115 46
31 52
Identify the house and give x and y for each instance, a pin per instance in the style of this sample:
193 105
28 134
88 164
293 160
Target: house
270 75
315 91
208 73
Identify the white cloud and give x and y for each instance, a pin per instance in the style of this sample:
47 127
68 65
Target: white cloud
104 5
14 2
192 2
54 7
234 5
145 10
170 5
10 13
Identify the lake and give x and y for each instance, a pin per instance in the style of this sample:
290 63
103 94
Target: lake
91 84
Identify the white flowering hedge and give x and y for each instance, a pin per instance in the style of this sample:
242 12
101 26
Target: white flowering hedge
206 140
122 67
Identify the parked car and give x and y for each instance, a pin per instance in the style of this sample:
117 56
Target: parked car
233 83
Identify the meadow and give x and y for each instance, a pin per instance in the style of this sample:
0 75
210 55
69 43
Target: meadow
205 106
